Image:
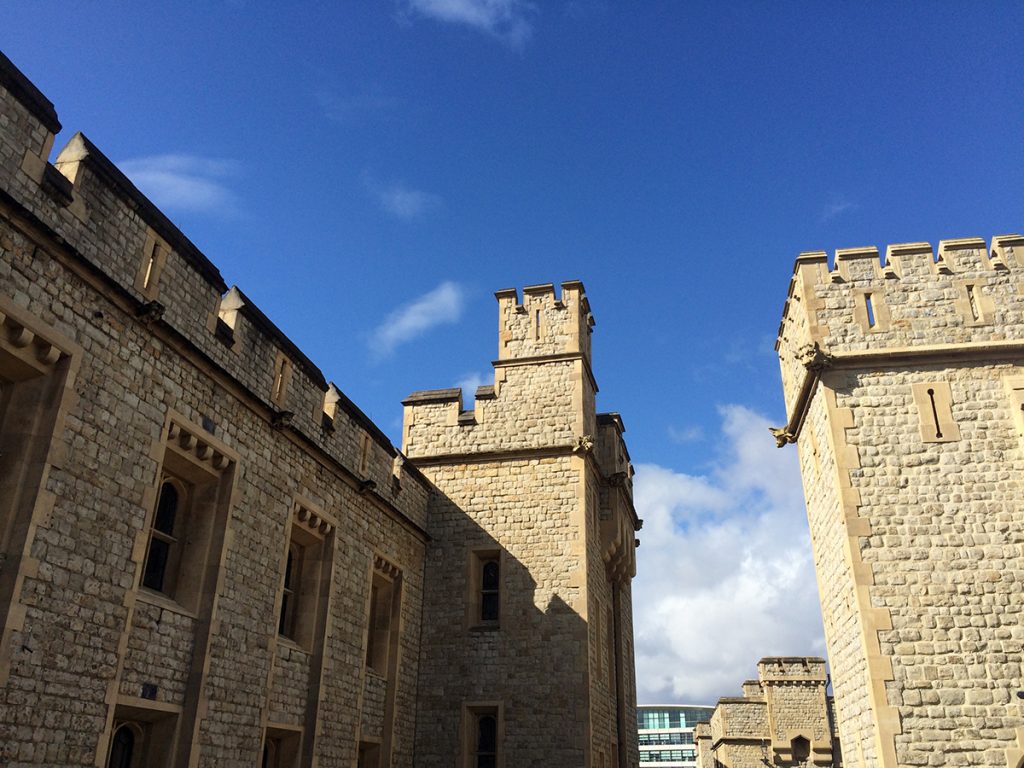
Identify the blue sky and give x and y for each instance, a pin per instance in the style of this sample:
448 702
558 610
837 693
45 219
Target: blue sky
370 172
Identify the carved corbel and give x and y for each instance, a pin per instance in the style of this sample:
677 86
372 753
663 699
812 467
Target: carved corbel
617 479
782 436
814 358
583 444
150 312
281 419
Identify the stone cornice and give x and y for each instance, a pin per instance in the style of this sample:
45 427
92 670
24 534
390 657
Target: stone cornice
816 361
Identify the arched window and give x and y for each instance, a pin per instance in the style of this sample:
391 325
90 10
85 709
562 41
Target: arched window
486 741
123 746
162 555
490 580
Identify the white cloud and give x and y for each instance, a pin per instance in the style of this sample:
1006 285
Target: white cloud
836 208
469 382
400 200
183 182
506 20
725 574
683 435
440 306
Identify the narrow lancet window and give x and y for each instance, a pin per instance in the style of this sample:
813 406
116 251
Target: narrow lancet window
935 412
486 741
289 599
973 301
490 594
870 309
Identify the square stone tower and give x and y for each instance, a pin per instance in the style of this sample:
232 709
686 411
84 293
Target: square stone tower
783 719
527 638
904 388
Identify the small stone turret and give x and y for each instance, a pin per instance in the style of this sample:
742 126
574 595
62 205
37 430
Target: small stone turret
544 324
782 719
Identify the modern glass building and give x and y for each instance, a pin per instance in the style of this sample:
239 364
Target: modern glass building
666 734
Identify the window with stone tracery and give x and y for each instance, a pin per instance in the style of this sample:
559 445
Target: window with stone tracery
307 568
187 519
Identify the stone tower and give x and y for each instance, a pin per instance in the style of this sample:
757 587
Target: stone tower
904 388
528 640
783 719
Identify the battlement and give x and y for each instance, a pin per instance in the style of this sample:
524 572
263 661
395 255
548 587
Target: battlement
965 292
543 392
96 222
544 323
791 669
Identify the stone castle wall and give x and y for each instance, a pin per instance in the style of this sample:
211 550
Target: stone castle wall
126 361
83 646
909 431
787 704
525 473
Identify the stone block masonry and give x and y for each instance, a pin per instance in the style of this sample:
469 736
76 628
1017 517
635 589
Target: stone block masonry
782 719
537 486
904 388
210 556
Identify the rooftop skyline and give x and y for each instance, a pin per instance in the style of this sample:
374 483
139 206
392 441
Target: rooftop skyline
370 175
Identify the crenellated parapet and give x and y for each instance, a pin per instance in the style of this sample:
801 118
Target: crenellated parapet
84 211
543 391
915 301
782 718
544 322
800 670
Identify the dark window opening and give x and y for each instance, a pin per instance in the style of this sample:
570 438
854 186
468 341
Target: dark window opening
486 741
490 593
162 541
289 598
122 748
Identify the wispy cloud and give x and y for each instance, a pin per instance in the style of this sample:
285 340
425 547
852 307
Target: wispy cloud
441 306
469 382
398 199
506 20
725 574
347 108
682 435
836 208
184 182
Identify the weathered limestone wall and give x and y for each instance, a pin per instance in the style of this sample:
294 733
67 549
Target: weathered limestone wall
918 526
528 473
534 660
782 719
81 640
125 360
833 538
